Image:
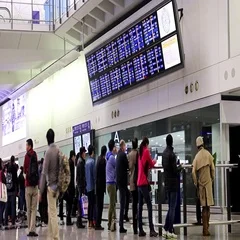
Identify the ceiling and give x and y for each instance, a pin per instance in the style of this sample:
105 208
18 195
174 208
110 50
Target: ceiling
25 55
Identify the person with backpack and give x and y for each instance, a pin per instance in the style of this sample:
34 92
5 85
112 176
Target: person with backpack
133 168
50 174
12 190
31 183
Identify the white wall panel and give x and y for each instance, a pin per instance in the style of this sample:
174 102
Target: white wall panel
234 17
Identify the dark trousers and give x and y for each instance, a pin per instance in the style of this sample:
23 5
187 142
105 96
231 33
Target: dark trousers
172 202
127 204
91 205
2 208
11 208
43 208
134 209
198 208
22 200
123 194
143 193
100 202
69 200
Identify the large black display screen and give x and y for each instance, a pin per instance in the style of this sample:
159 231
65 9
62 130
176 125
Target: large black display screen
149 48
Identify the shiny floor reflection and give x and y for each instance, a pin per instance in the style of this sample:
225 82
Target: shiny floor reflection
67 233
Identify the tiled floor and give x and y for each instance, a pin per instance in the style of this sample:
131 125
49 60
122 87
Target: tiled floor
218 232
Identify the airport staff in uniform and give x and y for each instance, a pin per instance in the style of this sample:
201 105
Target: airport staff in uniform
203 173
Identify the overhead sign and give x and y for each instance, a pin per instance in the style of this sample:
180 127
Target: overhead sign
81 128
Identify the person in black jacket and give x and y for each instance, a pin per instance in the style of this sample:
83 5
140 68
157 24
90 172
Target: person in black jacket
2 204
12 190
171 171
21 181
81 183
100 186
122 181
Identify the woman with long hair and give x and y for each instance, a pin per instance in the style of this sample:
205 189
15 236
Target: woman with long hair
145 163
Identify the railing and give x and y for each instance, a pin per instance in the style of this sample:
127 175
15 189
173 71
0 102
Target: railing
185 224
37 15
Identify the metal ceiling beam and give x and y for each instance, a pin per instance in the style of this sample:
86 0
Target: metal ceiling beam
74 34
82 29
120 3
98 14
90 22
107 7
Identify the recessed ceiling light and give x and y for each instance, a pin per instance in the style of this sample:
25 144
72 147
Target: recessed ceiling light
178 135
156 143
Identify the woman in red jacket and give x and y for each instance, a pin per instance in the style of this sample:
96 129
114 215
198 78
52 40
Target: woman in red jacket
145 163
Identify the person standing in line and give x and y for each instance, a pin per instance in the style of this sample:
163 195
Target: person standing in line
50 175
100 186
71 189
122 181
12 190
68 196
21 181
145 163
43 205
111 184
32 181
81 184
171 172
133 168
90 179
2 204
203 173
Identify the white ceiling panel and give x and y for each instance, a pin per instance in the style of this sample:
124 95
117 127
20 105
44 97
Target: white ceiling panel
10 40
29 40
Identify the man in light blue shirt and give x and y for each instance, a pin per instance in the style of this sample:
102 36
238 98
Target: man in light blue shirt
90 179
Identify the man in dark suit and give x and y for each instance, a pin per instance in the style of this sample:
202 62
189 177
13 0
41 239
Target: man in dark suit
122 181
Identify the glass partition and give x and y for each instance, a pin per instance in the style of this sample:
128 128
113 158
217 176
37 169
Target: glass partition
185 128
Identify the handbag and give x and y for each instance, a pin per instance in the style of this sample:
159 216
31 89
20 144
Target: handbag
3 190
84 205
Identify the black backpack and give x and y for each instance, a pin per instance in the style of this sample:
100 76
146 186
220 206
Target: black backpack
33 176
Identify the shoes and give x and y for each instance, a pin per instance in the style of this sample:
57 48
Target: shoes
62 223
79 223
69 223
32 234
153 233
123 230
171 236
142 234
135 232
164 233
99 228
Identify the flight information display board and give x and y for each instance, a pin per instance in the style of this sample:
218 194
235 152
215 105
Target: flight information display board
149 48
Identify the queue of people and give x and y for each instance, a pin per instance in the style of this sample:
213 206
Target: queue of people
113 171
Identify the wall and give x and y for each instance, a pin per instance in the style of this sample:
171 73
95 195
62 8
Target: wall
64 99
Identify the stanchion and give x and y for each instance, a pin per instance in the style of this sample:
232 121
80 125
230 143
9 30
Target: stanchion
228 200
160 201
177 219
184 200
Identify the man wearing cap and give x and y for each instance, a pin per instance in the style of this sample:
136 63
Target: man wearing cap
81 183
203 173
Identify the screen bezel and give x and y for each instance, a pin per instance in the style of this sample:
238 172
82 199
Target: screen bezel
163 73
